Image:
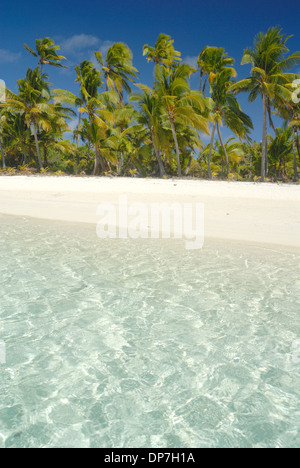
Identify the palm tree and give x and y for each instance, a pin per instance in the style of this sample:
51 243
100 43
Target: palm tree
190 142
16 134
150 116
289 110
280 149
118 69
234 154
121 131
270 64
46 52
213 60
163 52
90 80
66 97
53 136
33 102
226 109
180 105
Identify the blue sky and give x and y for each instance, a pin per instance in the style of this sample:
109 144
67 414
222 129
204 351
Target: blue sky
83 26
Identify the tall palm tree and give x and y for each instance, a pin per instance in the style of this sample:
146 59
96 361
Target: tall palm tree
180 104
121 131
163 52
33 102
95 105
150 116
226 110
46 53
118 69
269 75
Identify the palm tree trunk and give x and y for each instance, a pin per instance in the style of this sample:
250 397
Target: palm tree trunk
162 171
264 140
100 163
176 147
37 146
186 172
201 82
120 164
296 175
78 128
97 167
78 139
204 87
2 154
210 151
224 149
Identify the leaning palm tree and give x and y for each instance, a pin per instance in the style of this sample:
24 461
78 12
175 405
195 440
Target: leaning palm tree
226 110
118 69
46 53
269 76
180 105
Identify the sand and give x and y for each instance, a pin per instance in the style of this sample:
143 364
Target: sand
258 213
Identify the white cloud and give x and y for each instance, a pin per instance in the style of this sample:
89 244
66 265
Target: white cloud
7 56
82 47
192 61
78 43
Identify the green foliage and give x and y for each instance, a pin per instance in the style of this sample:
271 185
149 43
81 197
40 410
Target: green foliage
153 131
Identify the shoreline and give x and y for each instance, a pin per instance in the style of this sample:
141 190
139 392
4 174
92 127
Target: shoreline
267 214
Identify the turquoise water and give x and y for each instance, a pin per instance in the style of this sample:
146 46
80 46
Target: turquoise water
144 344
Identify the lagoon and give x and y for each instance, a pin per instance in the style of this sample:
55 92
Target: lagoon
141 343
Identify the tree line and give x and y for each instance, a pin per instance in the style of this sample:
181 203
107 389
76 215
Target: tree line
124 127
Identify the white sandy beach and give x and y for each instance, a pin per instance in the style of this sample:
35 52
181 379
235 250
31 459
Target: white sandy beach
264 213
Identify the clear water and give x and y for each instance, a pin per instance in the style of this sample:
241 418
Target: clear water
144 344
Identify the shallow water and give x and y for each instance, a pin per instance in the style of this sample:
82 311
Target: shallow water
144 344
